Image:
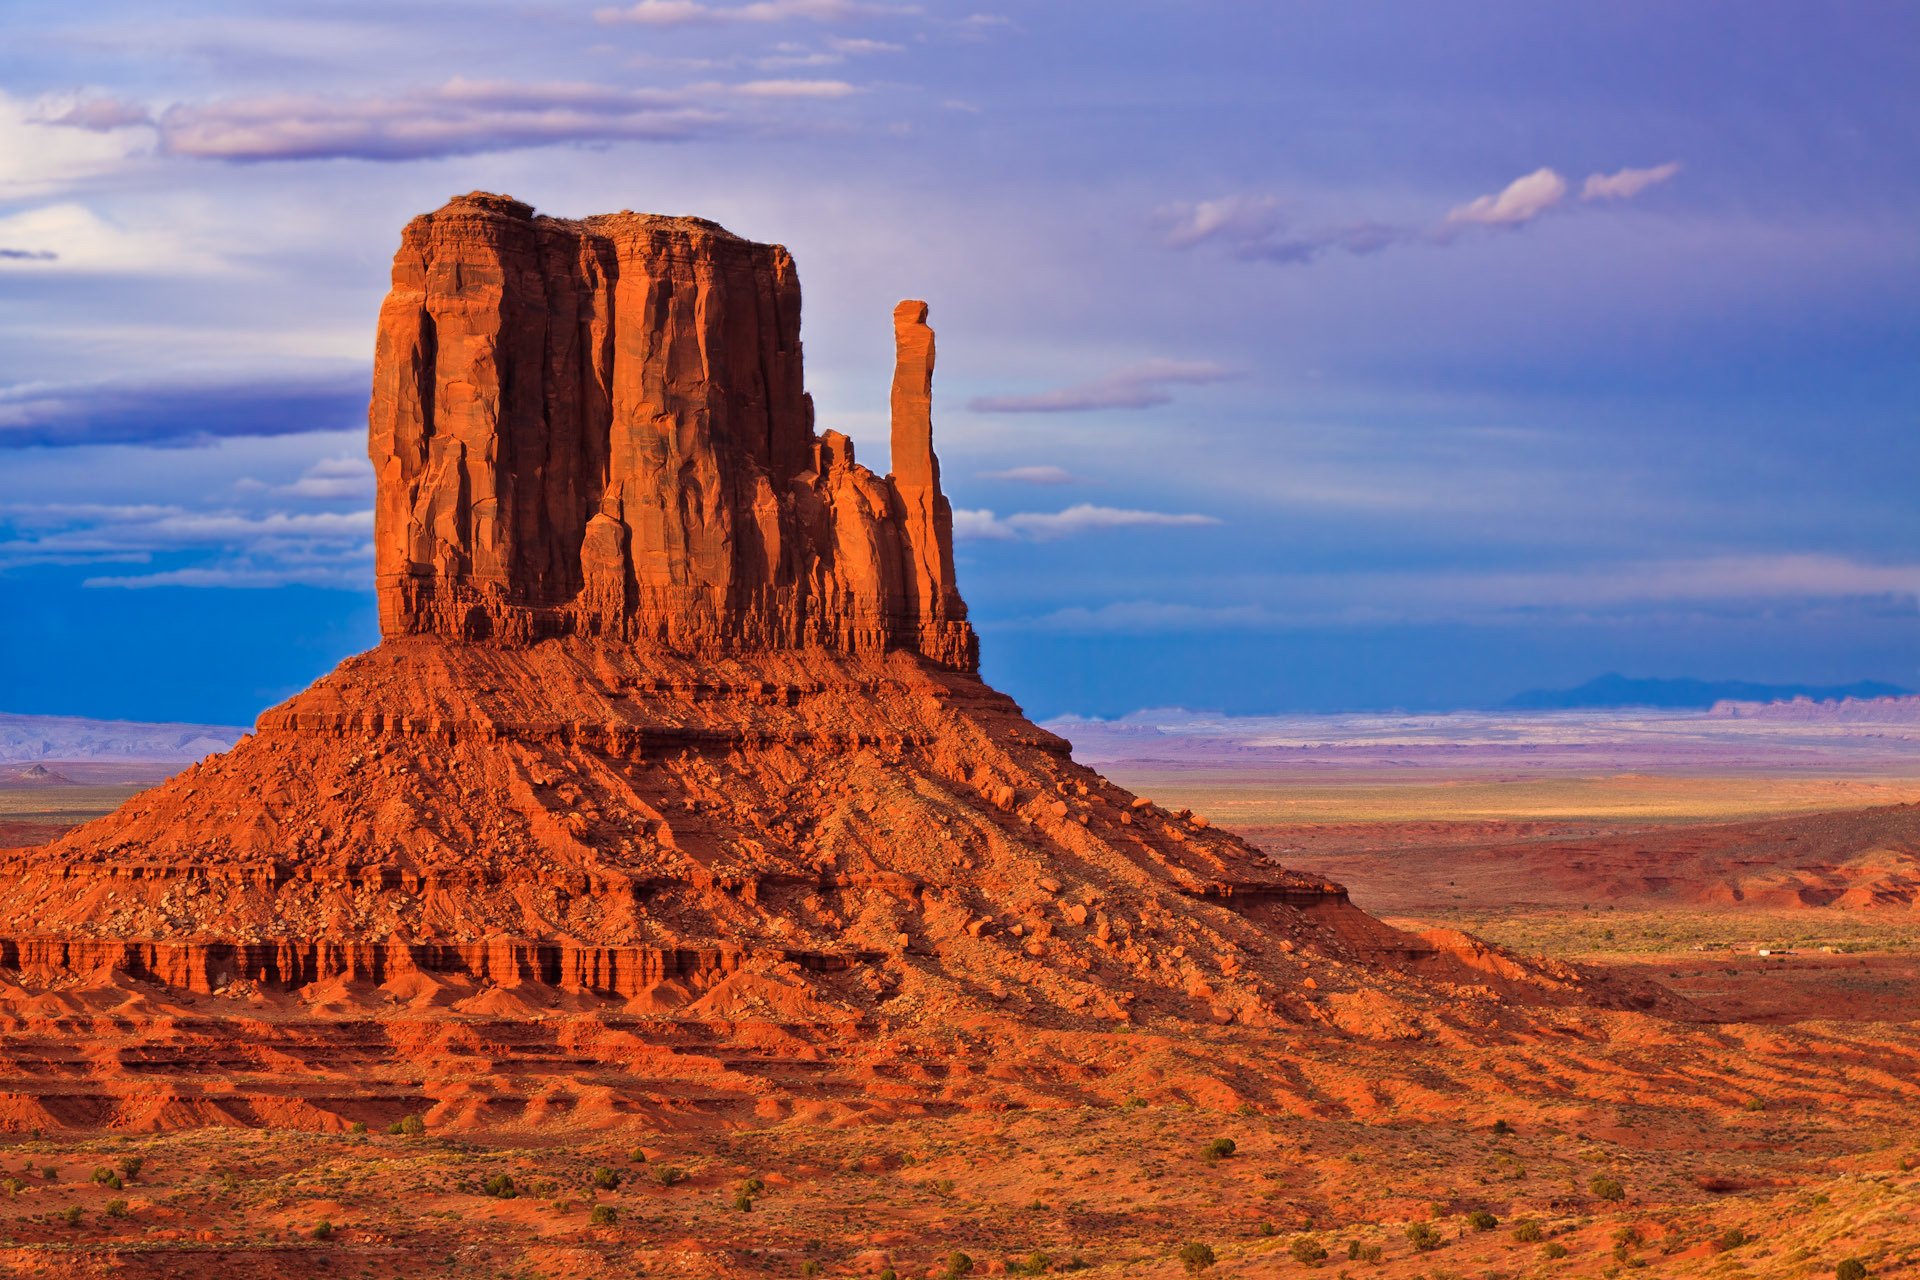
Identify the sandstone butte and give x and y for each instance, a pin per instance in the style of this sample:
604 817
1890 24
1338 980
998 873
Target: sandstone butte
672 789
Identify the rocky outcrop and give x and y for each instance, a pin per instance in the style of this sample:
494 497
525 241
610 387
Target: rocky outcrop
600 428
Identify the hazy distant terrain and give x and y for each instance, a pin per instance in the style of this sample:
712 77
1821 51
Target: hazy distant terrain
31 739
1878 738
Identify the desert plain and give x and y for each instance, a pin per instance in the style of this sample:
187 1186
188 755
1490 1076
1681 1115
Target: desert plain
1797 1153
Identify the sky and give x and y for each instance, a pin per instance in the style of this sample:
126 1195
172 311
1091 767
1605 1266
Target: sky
1293 356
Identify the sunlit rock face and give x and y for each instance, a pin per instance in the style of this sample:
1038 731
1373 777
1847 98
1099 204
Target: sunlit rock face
600 427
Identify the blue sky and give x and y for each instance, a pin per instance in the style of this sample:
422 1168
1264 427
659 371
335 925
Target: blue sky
1292 356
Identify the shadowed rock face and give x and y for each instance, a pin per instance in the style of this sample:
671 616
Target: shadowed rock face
600 428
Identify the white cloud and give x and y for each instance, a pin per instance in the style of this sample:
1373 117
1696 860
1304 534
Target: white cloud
71 237
94 114
460 117
1031 475
38 158
694 13
1083 518
332 478
1518 203
1139 387
795 89
1627 183
1237 219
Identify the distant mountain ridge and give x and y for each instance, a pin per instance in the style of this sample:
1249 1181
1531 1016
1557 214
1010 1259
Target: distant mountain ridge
26 739
1615 690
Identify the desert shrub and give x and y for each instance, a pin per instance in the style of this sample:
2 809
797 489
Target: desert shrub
1755 1104
743 1202
12 1186
500 1187
1220 1149
116 1208
1554 1250
408 1127
1629 1236
1308 1250
942 1186
888 1273
810 1268
50 1174
1267 1229
1850 1269
1481 1220
668 1175
1197 1257
322 1230
1502 1128
1423 1236
358 1126
1607 1188
1529 1233
603 1215
130 1166
1036 1264
107 1178
1357 1252
637 1156
958 1264
72 1216
606 1179
229 1182
1731 1238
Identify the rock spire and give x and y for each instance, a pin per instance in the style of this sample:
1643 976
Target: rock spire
600 427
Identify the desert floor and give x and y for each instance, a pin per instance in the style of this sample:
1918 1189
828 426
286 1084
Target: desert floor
1786 1182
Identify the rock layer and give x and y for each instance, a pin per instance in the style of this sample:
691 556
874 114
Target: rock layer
600 428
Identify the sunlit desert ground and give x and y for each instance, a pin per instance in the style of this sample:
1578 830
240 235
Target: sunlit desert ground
1682 876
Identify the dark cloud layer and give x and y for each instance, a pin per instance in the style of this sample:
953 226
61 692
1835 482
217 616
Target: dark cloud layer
176 414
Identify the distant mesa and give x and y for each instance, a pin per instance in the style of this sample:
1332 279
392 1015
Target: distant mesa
1622 691
53 739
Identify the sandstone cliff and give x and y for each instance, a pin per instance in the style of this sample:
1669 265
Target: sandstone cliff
600 427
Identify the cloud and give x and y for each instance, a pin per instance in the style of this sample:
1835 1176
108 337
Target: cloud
1770 585
333 478
795 89
1046 526
43 414
235 577
1253 229
695 13
1235 220
77 239
1141 387
39 158
460 117
1031 475
1627 183
95 115
860 46
1518 203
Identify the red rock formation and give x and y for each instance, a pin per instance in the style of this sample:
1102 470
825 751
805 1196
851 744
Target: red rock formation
600 428
676 707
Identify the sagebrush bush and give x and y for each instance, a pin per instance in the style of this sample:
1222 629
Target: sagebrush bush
603 1215
1607 1188
1308 1250
1529 1233
500 1187
606 1179
1220 1148
1481 1220
408 1127
1197 1257
1423 1236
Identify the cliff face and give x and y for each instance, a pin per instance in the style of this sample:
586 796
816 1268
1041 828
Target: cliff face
601 428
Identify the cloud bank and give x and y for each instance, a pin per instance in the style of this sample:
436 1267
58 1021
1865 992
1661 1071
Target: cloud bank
1140 387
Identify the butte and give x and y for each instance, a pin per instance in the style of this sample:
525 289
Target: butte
672 783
